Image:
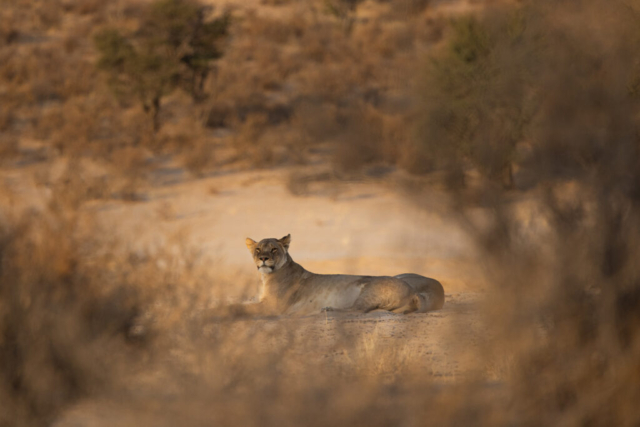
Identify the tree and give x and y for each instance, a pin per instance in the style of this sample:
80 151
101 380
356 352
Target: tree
174 47
477 102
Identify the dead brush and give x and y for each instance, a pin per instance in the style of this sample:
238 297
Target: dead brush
79 311
372 137
56 320
249 140
372 356
201 156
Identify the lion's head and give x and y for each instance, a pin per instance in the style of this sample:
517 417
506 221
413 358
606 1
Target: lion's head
269 254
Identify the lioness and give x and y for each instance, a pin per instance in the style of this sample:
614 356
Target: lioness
287 288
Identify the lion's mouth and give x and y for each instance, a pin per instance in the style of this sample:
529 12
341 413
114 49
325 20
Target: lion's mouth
264 268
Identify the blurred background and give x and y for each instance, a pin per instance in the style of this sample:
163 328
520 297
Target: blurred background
490 144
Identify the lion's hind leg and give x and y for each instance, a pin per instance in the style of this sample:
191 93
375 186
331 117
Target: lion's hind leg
431 290
384 293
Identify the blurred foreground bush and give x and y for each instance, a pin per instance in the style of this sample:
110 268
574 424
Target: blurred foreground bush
66 319
542 93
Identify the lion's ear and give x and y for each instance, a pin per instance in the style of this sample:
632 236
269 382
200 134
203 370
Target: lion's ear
250 243
285 241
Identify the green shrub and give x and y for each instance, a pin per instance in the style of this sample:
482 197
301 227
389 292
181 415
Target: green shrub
173 48
475 97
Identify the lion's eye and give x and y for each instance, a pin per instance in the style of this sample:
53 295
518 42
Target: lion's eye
274 250
257 250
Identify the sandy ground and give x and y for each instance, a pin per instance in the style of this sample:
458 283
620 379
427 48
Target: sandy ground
440 343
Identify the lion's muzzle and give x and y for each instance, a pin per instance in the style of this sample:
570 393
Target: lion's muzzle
266 268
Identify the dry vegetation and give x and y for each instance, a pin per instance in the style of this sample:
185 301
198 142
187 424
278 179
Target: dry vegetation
526 113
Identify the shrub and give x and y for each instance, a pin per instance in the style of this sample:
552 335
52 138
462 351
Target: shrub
565 259
57 317
173 48
475 101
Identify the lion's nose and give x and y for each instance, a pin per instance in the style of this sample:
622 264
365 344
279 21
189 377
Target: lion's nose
264 258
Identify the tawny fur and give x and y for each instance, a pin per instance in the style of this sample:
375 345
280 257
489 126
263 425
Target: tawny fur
287 288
